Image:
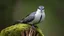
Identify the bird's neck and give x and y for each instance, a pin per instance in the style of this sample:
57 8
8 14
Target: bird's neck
39 11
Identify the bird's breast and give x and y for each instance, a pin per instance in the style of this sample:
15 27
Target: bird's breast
36 19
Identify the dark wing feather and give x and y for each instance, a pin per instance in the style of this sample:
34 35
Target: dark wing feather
29 18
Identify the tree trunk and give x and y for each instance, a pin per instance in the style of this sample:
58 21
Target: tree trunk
30 32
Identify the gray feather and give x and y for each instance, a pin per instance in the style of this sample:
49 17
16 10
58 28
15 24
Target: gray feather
29 18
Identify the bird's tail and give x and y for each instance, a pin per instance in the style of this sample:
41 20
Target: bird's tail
18 21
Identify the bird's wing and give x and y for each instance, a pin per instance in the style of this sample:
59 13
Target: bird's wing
29 18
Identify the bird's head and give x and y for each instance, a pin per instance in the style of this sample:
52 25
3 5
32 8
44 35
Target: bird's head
41 7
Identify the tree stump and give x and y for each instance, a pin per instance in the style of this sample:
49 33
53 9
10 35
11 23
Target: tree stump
21 30
30 32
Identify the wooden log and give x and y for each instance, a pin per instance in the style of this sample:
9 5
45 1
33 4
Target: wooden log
30 32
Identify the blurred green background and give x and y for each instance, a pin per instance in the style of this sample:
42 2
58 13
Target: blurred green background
11 10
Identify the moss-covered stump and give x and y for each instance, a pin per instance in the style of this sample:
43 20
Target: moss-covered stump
21 30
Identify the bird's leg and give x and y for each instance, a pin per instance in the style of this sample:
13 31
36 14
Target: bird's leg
33 25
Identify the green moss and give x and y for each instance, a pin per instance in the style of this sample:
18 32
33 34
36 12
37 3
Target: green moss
40 32
15 30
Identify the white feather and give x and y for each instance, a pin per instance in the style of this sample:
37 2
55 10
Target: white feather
38 15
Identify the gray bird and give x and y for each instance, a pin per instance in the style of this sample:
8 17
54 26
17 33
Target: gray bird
35 17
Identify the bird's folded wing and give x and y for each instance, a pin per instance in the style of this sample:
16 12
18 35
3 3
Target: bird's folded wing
29 18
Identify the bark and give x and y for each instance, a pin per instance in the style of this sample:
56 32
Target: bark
30 32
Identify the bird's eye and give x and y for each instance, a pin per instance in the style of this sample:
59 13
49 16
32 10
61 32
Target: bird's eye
38 8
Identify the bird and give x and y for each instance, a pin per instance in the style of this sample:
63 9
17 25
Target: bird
34 17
